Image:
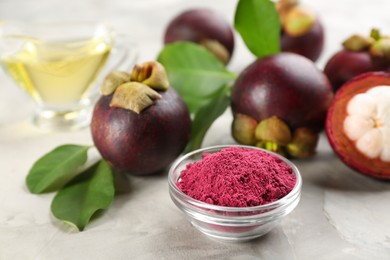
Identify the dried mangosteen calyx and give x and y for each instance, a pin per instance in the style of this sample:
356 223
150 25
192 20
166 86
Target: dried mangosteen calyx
151 73
303 144
113 80
136 90
217 49
274 130
134 96
367 123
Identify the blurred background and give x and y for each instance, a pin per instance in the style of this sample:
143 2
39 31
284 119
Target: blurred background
146 21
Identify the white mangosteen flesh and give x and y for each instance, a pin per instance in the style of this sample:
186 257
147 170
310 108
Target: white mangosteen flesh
368 122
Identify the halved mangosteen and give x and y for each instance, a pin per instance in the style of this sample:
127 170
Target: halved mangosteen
358 124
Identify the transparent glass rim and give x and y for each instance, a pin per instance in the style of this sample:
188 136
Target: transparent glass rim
206 206
107 28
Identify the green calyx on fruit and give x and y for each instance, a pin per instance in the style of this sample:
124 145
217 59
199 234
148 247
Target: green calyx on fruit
303 144
375 34
137 90
271 146
376 44
381 48
299 21
368 122
283 7
274 135
357 43
273 130
296 20
243 129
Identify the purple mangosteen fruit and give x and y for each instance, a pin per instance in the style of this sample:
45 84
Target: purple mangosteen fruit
280 103
302 30
140 124
203 26
360 54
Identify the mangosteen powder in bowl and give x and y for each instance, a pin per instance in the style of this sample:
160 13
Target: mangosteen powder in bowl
234 192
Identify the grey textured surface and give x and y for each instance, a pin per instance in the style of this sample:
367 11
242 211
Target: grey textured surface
342 215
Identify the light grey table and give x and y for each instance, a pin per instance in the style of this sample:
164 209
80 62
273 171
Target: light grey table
342 215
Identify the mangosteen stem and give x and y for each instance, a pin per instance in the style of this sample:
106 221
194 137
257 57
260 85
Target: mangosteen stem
375 34
152 74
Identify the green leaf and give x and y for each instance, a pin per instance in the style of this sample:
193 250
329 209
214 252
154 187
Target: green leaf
82 197
194 72
258 23
205 117
56 168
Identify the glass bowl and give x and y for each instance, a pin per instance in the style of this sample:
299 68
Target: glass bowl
231 223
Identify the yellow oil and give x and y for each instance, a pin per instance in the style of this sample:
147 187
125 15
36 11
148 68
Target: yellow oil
59 73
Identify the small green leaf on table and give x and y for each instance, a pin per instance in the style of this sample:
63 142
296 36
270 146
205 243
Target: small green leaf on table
194 72
258 23
82 197
205 117
56 168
